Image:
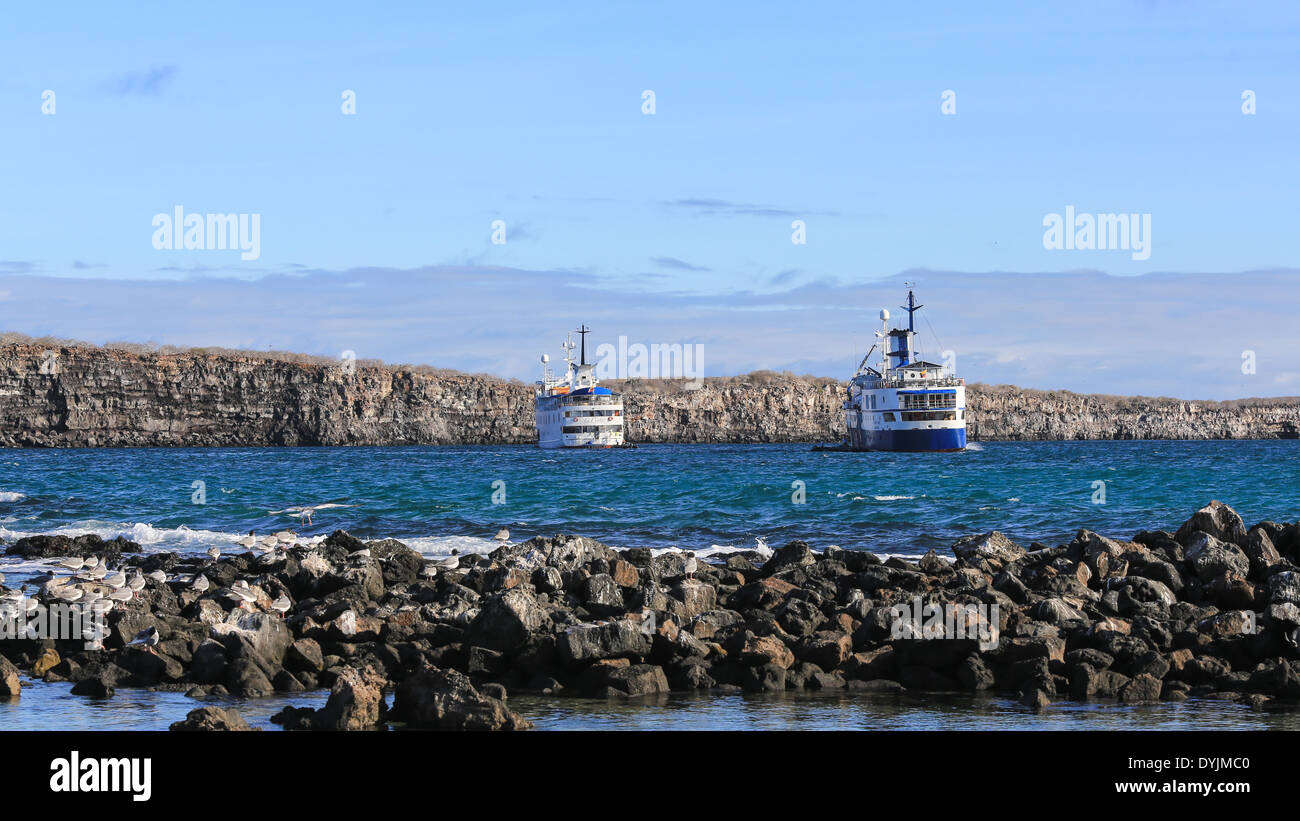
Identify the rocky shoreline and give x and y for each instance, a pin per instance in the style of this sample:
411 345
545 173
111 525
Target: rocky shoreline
56 394
1209 610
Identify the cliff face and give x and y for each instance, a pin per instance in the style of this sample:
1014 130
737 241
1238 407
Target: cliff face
1003 412
97 397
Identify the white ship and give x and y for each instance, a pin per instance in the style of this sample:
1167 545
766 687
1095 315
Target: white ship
906 404
573 411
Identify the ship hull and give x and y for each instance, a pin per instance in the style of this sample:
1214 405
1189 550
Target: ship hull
924 440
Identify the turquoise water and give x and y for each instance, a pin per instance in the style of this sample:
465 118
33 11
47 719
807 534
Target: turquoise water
697 496
710 498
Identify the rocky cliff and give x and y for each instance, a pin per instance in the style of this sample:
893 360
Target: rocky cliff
84 396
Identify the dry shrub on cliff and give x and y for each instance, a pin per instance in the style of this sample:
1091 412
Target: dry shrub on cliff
753 379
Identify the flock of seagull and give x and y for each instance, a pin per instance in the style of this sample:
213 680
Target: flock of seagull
91 584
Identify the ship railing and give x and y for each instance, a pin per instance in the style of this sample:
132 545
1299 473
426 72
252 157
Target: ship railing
942 382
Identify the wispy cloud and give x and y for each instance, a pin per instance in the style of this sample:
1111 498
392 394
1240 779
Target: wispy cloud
703 206
1084 331
150 82
677 264
18 266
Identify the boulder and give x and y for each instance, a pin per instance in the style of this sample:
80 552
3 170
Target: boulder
637 680
1216 519
10 684
619 638
1210 556
436 699
211 719
987 546
356 701
793 555
506 620
760 650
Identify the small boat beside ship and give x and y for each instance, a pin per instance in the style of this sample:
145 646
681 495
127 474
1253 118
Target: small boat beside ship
574 410
904 403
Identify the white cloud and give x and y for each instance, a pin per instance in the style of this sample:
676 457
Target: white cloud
1159 334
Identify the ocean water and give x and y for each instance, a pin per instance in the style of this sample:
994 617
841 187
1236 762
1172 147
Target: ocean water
708 498
702 497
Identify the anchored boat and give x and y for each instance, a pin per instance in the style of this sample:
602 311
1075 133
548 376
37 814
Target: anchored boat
574 411
906 403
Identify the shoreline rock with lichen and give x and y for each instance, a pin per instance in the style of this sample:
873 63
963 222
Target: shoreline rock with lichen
1209 610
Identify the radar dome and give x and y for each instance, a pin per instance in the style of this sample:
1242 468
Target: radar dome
546 358
884 315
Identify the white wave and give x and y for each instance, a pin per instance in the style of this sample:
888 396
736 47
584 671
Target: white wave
1013 498
146 535
11 496
974 446
441 546
892 498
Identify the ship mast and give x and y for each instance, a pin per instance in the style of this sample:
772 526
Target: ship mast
583 330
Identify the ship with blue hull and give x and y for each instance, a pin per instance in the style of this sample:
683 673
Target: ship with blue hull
904 403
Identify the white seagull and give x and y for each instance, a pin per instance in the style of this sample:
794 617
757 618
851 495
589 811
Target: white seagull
304 512
200 583
116 579
214 553
146 638
157 576
502 536
282 604
74 563
690 565
248 541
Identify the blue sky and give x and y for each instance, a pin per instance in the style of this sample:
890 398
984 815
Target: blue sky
765 114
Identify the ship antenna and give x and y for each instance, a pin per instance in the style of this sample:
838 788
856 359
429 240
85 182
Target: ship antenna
911 307
583 330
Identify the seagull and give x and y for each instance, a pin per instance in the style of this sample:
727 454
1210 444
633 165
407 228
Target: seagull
2 578
74 563
157 576
243 592
248 541
115 580
286 537
97 572
430 570
282 604
690 565
452 562
68 594
90 562
502 536
214 553
146 638
304 512
136 584
357 555
200 583
120 595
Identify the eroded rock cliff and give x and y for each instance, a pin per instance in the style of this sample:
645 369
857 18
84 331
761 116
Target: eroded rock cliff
86 396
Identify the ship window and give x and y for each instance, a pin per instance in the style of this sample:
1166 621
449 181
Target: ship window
889 417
